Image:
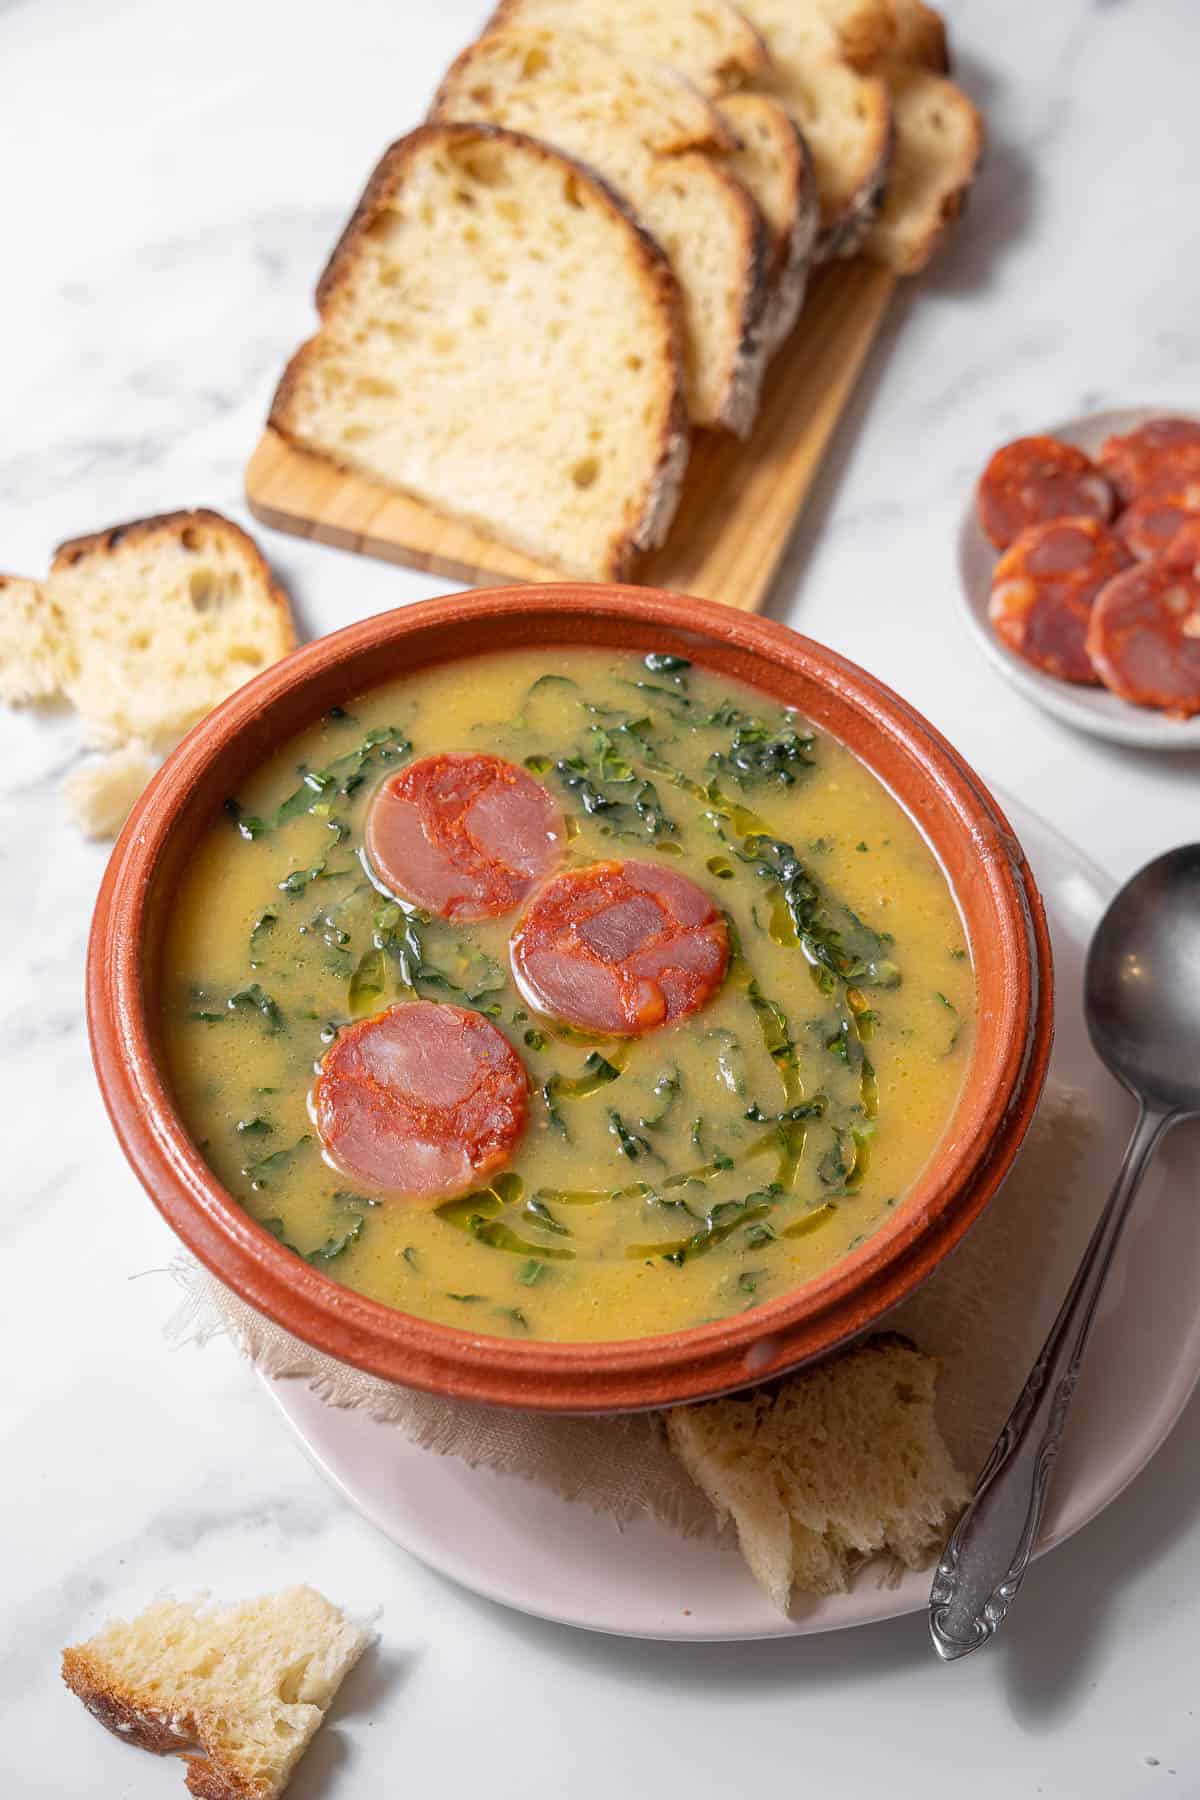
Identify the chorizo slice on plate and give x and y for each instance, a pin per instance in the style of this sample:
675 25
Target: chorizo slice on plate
1160 457
1034 480
420 1101
620 948
463 836
1150 523
1043 588
1144 637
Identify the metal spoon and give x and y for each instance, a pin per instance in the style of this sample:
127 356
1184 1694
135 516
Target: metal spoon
1142 1004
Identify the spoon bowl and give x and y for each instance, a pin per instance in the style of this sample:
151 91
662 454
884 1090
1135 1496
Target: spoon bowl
1142 984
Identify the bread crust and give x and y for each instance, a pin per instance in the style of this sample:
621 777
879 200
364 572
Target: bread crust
921 37
120 1711
648 519
790 256
115 538
844 235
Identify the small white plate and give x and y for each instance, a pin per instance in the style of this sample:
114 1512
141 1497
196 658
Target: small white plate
1088 709
515 1542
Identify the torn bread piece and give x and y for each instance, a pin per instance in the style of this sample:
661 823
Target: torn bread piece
166 617
239 1690
643 130
500 340
828 1468
102 791
939 141
773 163
710 41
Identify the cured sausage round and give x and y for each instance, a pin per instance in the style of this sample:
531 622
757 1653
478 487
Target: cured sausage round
1162 456
1150 523
463 836
1035 479
420 1101
1043 589
620 947
1183 551
1144 638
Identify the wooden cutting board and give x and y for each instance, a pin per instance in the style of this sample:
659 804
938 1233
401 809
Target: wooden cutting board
740 500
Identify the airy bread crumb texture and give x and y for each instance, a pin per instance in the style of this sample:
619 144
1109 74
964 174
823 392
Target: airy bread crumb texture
709 41
246 1685
101 792
644 131
939 141
36 654
499 340
828 1468
166 616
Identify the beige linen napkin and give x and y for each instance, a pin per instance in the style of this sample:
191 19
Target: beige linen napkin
984 1313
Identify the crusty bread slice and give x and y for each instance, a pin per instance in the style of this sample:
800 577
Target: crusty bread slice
616 114
709 41
246 1685
773 164
36 653
939 141
101 792
165 616
846 117
920 37
827 1468
499 339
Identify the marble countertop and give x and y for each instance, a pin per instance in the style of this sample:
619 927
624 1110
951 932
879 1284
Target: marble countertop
173 179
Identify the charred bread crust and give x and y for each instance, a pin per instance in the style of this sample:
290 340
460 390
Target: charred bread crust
646 524
175 526
868 35
120 1712
921 37
749 360
716 137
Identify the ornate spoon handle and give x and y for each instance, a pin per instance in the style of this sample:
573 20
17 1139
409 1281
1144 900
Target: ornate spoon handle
984 1563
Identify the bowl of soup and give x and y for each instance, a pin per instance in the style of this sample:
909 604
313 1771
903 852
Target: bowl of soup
574 998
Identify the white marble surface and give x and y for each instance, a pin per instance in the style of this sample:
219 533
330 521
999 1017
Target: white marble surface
171 178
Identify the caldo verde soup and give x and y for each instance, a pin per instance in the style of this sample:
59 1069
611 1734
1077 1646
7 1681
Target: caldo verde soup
573 997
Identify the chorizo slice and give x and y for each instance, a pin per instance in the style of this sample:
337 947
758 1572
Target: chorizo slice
1035 479
1183 551
420 1101
1149 524
1043 588
620 948
1144 637
1160 457
463 836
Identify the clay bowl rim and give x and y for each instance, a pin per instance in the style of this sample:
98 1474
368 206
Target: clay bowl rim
997 1105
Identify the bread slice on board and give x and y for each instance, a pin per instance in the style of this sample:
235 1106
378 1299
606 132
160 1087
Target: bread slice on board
710 41
246 1686
500 340
618 114
920 37
846 117
827 1468
772 162
939 141
166 616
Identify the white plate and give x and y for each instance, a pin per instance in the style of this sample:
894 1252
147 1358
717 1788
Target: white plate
1089 709
514 1542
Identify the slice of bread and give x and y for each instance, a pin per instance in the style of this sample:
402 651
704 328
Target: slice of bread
500 340
617 115
920 37
773 164
36 653
246 1685
166 616
709 41
846 117
827 1468
939 141
101 792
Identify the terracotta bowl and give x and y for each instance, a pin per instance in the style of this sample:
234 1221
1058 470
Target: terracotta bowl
994 889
